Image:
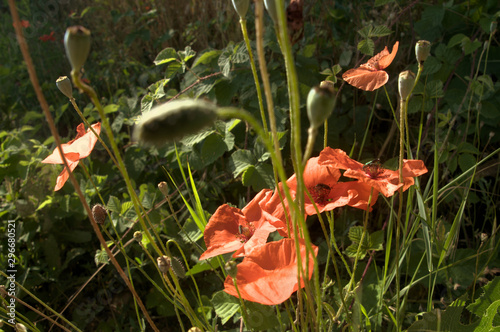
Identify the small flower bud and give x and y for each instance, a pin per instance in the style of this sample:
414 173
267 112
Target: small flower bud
77 44
20 327
138 236
320 103
174 120
163 263
406 82
484 237
422 50
163 188
195 329
64 85
99 213
231 268
493 27
241 7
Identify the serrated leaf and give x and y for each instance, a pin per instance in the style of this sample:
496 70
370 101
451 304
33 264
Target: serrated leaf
207 57
240 54
114 204
366 46
470 46
258 177
457 39
213 148
225 305
196 138
101 257
365 31
490 294
240 160
126 206
380 31
165 56
173 69
187 54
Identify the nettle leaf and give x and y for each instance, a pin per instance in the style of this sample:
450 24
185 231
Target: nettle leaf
240 54
366 46
167 55
114 204
380 31
225 305
372 241
187 54
101 257
259 177
196 138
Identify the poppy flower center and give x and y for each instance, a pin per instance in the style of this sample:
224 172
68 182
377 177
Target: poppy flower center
373 168
320 193
245 232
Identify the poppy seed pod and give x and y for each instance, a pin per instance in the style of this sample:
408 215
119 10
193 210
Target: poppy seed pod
174 120
272 9
422 51
163 263
77 44
405 83
241 7
320 103
231 268
64 85
163 188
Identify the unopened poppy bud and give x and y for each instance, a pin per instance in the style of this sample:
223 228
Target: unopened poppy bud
20 327
195 329
231 268
174 120
177 267
163 263
99 213
138 236
77 44
405 83
241 7
493 27
320 103
163 188
64 85
272 9
422 50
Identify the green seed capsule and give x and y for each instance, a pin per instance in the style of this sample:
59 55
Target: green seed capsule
320 103
241 7
406 82
422 50
172 121
64 85
77 44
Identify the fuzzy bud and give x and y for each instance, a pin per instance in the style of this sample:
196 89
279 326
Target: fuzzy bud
163 263
20 327
231 268
195 329
99 213
405 83
422 51
241 7
177 267
173 120
163 188
138 236
320 103
64 85
77 44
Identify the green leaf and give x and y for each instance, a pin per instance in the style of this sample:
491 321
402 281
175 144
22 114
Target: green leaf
366 46
490 294
466 161
111 108
470 46
259 177
167 55
114 204
197 138
261 317
207 57
213 148
380 31
225 305
457 39
382 2
187 54
240 160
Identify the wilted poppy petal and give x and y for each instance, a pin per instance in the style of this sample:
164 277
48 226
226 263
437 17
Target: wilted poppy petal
63 177
370 75
269 274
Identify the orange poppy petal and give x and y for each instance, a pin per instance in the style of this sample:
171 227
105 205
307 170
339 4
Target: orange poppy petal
387 59
63 177
269 275
365 79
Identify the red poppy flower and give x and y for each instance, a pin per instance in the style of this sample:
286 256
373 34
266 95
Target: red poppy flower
78 148
231 229
46 38
384 180
24 23
371 75
269 274
326 192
